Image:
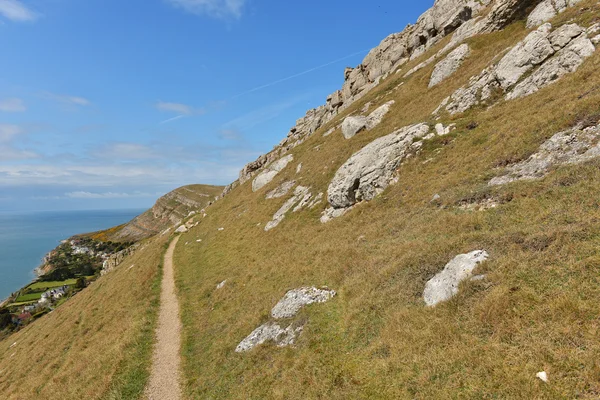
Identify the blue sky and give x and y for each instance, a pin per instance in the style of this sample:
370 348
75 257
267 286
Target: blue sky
112 103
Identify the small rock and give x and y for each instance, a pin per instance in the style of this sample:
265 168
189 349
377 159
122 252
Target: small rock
542 376
270 332
281 190
329 132
221 285
181 229
449 65
199 240
299 168
444 285
436 198
221 229
295 299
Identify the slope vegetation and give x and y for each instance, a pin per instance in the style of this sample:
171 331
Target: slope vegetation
534 310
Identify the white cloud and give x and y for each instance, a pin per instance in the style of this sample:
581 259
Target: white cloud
230 134
65 99
12 105
125 151
212 8
8 132
181 109
107 195
16 11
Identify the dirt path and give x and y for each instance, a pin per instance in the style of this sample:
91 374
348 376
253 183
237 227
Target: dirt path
165 377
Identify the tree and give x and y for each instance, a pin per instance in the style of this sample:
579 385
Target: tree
80 283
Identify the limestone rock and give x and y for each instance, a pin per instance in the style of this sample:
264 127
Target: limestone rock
355 124
299 168
221 285
295 299
370 170
449 65
270 172
537 61
181 229
299 194
548 9
444 285
281 190
270 331
569 147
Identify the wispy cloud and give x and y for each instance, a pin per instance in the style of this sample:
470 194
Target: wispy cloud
183 110
8 132
12 105
230 134
213 8
15 10
67 99
108 195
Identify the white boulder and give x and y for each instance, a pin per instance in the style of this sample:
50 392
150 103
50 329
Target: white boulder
267 175
444 285
294 300
270 331
449 65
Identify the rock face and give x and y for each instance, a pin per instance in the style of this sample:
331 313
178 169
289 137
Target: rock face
287 307
569 147
294 300
270 172
547 10
281 190
537 61
355 124
460 18
444 285
369 171
116 259
449 65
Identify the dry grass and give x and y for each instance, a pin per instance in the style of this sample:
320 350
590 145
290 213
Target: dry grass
537 310
97 345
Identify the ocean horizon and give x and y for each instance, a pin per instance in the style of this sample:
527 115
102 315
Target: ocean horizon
26 237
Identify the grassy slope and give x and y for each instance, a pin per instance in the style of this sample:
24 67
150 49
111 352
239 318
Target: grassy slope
538 309
97 345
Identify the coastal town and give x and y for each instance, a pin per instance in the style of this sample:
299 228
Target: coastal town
64 272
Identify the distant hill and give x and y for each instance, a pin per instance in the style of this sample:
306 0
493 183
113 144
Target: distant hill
168 211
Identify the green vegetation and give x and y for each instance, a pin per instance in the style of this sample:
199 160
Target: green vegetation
29 297
45 285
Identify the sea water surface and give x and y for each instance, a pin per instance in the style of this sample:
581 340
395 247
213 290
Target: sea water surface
26 238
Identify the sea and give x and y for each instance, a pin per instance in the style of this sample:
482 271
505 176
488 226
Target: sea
25 238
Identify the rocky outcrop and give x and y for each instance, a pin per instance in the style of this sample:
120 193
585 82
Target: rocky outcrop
301 193
355 124
287 307
573 146
547 10
444 285
281 190
449 65
370 170
459 18
296 299
271 172
114 260
537 61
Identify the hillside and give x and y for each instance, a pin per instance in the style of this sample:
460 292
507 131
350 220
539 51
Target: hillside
168 211
439 213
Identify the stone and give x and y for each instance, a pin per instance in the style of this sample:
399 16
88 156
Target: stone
270 331
541 58
281 190
331 213
596 40
548 9
299 168
353 125
299 193
270 172
317 200
370 170
543 376
440 130
295 300
572 146
436 198
181 229
221 285
329 132
449 65
444 285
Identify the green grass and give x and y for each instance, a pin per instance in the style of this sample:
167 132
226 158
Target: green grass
29 297
44 286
